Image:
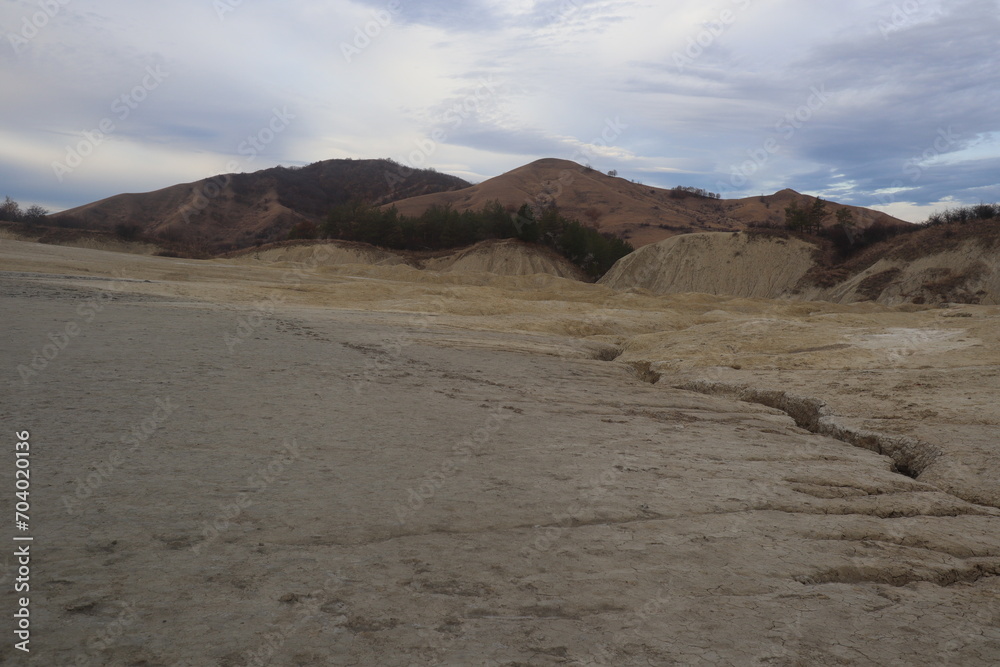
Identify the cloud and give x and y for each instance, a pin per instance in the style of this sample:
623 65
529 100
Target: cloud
721 96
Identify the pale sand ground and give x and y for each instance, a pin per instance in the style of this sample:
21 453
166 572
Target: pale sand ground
471 486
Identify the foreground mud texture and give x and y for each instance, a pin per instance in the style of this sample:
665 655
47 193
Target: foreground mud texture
242 465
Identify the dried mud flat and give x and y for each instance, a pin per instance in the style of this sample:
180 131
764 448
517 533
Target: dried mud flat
358 465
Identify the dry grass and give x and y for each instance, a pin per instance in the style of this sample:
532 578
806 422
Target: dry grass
640 213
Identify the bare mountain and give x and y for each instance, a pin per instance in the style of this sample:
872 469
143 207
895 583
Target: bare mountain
640 213
238 210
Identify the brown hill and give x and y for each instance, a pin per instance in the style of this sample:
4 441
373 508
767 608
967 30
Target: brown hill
238 210
640 213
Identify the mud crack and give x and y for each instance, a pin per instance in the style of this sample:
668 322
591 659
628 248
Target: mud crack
910 457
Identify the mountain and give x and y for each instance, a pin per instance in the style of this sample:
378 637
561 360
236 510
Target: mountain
640 213
239 210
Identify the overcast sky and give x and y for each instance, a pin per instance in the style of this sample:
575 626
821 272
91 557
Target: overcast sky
869 102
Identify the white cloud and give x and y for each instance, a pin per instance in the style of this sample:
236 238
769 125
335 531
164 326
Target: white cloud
562 67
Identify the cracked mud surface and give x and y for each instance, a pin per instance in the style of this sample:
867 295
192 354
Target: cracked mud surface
474 489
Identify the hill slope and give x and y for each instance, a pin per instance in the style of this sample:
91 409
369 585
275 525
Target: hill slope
944 264
640 213
928 266
238 210
712 263
506 257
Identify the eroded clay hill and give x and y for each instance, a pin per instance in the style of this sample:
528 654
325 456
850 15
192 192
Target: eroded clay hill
507 257
714 263
925 267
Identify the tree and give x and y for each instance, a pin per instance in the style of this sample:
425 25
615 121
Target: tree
613 173
845 220
441 227
303 230
10 210
34 214
525 224
796 218
682 191
126 231
497 222
809 220
816 215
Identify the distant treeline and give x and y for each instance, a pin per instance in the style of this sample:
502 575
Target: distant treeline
10 211
682 191
963 214
848 239
845 234
441 227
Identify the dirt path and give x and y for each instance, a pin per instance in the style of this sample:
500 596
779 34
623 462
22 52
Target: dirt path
220 482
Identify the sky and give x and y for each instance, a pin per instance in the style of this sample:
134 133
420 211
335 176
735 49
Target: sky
889 104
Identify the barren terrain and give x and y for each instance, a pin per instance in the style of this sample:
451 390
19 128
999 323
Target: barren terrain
302 462
929 266
641 213
232 211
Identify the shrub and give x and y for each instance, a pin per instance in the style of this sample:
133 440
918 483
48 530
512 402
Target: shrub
303 230
34 214
683 191
126 231
963 214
